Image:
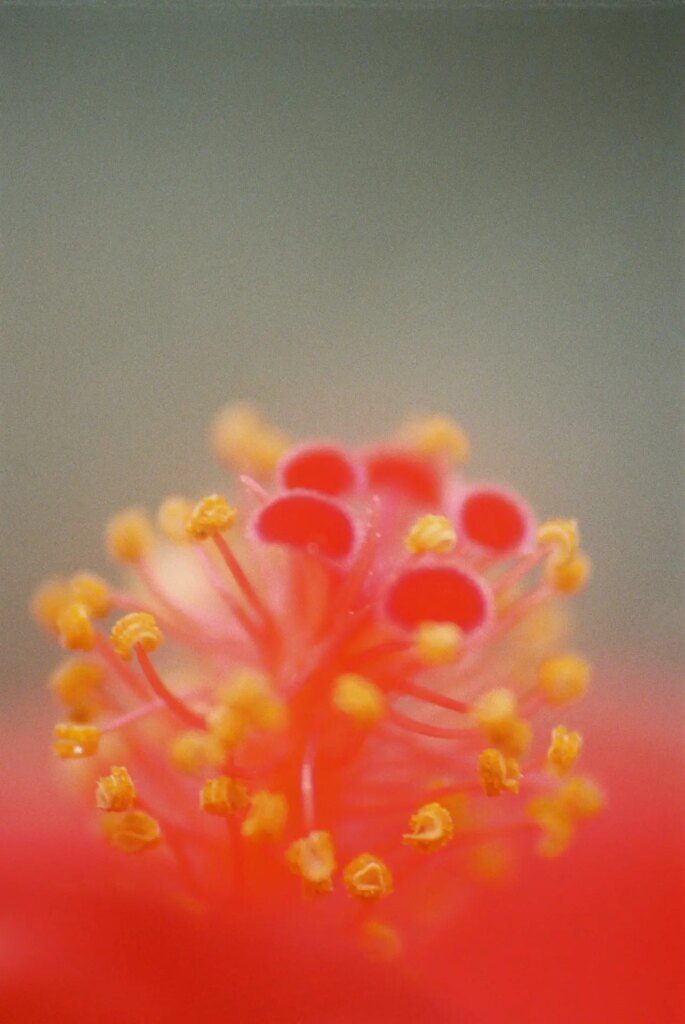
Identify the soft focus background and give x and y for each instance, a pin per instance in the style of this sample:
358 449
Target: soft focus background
345 216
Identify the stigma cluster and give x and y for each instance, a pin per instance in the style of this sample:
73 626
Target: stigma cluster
356 658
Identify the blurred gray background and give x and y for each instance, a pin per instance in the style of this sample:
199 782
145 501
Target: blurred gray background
345 216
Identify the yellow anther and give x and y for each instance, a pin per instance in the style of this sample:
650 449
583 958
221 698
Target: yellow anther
267 816
115 792
563 750
556 815
438 643
581 798
495 713
91 591
431 534
250 697
222 796
132 832
129 536
367 877
75 629
48 602
498 773
380 941
556 823
77 681
568 577
358 698
226 727
210 516
561 535
74 740
195 751
313 859
431 827
544 628
564 678
245 441
136 629
437 435
489 861
172 516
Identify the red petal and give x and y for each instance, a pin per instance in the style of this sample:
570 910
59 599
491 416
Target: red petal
322 468
303 519
409 475
494 520
438 594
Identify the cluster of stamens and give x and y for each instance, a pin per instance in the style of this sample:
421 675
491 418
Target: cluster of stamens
353 650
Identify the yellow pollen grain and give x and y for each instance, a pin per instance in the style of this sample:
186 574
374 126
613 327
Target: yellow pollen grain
93 592
367 877
563 750
133 630
431 827
496 715
242 439
497 773
266 817
564 678
129 536
48 602
75 628
380 941
132 831
115 792
211 515
358 698
431 534
438 643
437 436
195 751
569 577
77 681
561 535
313 859
222 796
75 740
172 516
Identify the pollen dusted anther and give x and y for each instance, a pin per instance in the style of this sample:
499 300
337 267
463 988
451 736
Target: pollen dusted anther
139 629
73 740
313 859
210 516
431 534
328 678
431 827
115 792
75 628
367 877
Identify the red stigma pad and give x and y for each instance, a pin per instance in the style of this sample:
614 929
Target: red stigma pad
493 520
306 520
322 468
409 475
437 594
